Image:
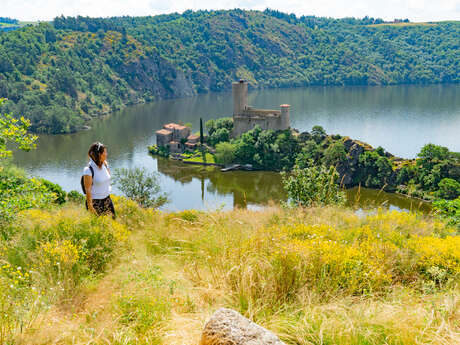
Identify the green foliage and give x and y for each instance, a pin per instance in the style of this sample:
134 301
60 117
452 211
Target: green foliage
448 188
75 196
436 163
266 149
448 210
18 192
69 70
318 133
335 154
313 186
141 186
14 131
161 151
60 194
219 130
311 152
225 153
374 170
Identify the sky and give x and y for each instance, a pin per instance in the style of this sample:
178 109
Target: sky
414 10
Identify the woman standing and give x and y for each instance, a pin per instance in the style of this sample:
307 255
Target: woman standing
96 178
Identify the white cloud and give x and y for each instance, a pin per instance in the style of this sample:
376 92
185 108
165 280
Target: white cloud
415 10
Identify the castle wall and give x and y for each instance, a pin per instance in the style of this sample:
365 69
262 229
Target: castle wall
246 118
240 96
242 124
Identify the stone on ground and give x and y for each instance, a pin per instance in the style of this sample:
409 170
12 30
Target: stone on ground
227 327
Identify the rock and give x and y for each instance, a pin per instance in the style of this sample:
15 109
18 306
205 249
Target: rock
347 142
345 173
227 327
355 151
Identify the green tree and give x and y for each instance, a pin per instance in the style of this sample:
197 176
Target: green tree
14 131
141 186
335 154
313 186
448 188
448 210
225 153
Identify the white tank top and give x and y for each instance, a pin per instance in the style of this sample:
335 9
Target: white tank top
101 187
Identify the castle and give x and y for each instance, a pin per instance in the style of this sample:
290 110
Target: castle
177 138
246 118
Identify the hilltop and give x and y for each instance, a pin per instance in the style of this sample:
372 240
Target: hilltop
64 73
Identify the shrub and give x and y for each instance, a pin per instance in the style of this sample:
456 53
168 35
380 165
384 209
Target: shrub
60 194
335 154
448 211
313 186
225 153
140 186
75 196
18 192
448 188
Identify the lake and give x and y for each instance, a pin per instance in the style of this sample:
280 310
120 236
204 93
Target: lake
399 118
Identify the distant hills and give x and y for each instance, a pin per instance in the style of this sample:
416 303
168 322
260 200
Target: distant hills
63 73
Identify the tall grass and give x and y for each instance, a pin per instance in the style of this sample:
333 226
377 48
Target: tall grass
313 276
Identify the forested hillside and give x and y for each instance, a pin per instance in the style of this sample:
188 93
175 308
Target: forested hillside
62 74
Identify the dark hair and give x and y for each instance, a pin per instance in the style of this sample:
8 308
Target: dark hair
95 151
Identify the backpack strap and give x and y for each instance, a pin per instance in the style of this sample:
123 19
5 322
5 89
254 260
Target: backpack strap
92 170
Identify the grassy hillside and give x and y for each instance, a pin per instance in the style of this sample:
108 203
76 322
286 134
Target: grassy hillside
62 74
313 276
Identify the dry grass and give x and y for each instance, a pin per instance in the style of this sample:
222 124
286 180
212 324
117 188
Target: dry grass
181 267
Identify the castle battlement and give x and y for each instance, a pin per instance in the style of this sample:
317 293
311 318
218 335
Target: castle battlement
246 117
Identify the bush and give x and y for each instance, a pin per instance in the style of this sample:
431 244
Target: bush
18 192
51 252
60 194
313 186
448 188
140 186
335 154
448 211
75 196
225 153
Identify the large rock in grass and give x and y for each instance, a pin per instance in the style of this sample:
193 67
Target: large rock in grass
227 327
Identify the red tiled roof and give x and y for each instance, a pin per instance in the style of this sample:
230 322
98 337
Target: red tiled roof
174 126
163 132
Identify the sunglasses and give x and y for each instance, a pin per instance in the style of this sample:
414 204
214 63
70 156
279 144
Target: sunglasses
98 146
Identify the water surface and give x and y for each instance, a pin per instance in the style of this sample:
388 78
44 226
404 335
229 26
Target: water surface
399 118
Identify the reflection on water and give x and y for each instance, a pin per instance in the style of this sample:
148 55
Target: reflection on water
264 187
399 118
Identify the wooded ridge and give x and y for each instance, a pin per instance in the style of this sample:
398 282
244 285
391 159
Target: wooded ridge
63 73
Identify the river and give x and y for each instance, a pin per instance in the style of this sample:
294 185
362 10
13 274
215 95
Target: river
399 118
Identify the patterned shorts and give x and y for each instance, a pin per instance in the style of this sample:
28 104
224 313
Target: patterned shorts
103 206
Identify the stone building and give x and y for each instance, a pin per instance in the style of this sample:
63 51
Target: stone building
176 138
246 117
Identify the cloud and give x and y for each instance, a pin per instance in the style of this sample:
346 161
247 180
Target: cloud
415 10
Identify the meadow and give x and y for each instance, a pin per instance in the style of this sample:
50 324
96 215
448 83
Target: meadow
323 275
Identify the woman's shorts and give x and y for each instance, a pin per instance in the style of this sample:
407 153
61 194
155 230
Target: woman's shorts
103 206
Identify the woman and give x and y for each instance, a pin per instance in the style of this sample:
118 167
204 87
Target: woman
97 181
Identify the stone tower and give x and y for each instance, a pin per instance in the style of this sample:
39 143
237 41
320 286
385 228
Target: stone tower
285 122
240 96
246 117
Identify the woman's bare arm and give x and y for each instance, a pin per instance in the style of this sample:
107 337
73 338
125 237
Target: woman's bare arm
88 181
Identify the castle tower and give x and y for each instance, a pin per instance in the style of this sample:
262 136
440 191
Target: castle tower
240 96
285 121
